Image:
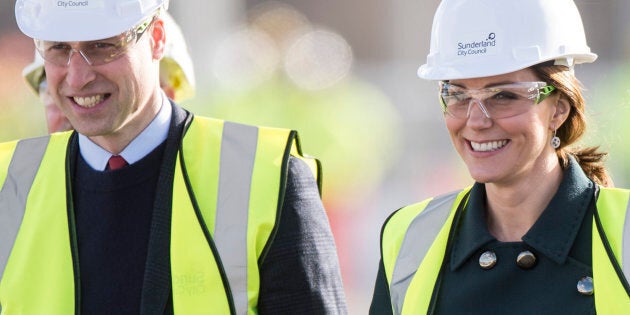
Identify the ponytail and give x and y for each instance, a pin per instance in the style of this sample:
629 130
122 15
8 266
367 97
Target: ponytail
591 159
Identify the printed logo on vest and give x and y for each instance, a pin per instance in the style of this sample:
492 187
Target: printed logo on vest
190 284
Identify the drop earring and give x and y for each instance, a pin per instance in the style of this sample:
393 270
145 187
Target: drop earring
555 141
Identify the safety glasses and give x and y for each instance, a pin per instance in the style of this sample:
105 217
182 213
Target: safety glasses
96 52
499 101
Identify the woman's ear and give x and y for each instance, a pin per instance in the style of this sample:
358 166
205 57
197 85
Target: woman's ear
561 112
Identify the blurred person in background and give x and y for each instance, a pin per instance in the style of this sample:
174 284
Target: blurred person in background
35 76
177 77
540 231
146 208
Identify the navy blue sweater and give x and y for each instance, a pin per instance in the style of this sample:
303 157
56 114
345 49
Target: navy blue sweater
113 213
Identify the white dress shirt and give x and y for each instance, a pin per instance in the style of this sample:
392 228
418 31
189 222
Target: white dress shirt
154 134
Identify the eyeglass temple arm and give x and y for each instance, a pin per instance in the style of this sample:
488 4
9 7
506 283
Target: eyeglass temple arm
544 92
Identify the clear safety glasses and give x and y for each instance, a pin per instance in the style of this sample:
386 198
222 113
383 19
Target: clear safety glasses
499 101
96 52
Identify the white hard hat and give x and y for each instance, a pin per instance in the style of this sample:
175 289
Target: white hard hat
81 20
479 38
176 66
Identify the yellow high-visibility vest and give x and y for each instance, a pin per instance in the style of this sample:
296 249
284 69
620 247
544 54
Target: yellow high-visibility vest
226 194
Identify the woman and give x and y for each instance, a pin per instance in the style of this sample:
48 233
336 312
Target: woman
539 232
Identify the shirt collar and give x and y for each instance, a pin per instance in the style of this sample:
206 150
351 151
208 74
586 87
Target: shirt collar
552 235
154 134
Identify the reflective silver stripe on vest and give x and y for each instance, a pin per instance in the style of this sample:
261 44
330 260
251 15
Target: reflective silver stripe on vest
420 235
24 164
238 152
625 244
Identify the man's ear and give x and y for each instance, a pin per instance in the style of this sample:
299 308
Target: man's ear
158 38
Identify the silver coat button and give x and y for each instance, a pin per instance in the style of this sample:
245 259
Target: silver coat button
487 260
526 260
585 286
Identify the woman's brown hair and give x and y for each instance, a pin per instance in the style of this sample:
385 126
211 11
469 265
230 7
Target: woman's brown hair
591 159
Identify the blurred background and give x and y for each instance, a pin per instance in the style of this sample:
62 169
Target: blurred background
343 73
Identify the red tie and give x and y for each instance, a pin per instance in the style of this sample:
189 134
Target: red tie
115 162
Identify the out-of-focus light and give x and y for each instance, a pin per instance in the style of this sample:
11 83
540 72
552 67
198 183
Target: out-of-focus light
280 21
318 59
277 35
245 59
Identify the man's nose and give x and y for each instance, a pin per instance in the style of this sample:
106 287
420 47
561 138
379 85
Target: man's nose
80 53
79 70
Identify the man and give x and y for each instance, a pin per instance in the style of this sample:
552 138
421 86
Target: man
147 209
177 77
